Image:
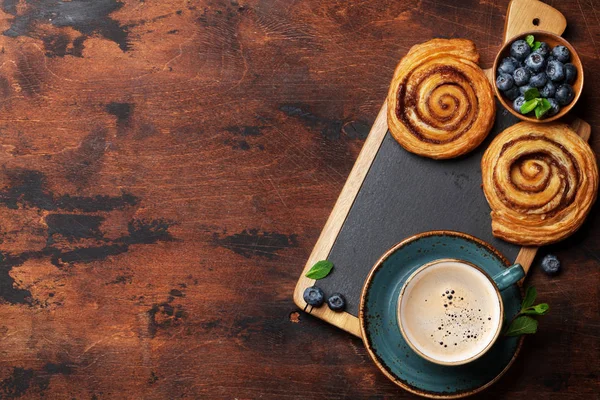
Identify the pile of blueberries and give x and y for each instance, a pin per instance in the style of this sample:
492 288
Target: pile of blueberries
548 70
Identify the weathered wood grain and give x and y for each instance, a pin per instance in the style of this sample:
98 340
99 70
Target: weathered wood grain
166 168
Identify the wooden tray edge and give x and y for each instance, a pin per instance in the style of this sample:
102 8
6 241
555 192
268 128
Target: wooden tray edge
343 320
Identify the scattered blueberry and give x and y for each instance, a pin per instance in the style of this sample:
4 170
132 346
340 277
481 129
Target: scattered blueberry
336 302
570 73
544 49
520 50
562 54
535 62
564 94
521 76
555 71
314 296
508 65
548 90
512 93
525 88
517 105
538 80
555 108
504 81
551 264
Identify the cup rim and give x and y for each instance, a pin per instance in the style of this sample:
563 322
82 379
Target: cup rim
483 350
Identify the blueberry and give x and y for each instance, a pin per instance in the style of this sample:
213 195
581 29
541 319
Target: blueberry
555 108
564 94
531 71
549 90
562 54
518 103
550 58
551 264
536 62
314 296
555 71
504 81
508 65
520 49
525 88
336 302
512 93
538 80
521 76
544 49
570 73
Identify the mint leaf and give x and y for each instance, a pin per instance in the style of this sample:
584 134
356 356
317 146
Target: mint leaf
540 112
530 39
539 309
531 94
320 270
536 46
529 106
542 108
522 325
529 299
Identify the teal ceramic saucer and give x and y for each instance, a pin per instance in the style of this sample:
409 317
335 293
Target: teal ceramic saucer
379 325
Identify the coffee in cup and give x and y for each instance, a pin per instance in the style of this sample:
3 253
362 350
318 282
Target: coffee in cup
450 311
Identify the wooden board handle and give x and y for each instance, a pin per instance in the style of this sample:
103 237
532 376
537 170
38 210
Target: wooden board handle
530 15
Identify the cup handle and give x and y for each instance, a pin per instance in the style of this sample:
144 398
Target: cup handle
509 276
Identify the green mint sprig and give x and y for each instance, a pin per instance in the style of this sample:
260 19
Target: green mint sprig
529 39
320 270
522 323
533 101
532 42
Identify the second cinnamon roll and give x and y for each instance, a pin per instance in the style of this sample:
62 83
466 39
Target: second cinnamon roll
540 182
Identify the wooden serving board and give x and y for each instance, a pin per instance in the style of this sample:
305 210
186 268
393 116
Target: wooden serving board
392 194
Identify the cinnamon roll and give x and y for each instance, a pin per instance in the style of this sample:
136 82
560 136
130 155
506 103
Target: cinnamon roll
540 182
440 103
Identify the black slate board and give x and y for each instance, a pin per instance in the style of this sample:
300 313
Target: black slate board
404 194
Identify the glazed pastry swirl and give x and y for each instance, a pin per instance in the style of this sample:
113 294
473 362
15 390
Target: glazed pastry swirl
440 104
540 182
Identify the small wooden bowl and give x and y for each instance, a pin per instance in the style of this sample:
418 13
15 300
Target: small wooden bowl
552 40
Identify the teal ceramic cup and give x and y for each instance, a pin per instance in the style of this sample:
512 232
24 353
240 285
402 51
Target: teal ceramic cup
430 323
378 317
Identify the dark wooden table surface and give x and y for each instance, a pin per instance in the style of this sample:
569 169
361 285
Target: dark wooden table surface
166 168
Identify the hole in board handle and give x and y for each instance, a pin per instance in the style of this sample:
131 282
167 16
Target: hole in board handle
536 21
